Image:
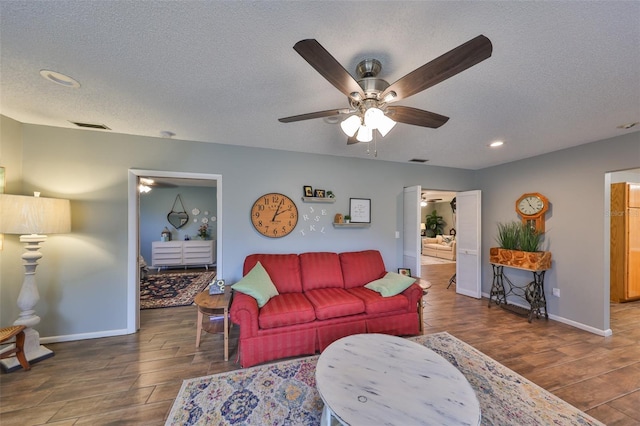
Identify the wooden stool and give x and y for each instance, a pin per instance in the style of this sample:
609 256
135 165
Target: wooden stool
17 331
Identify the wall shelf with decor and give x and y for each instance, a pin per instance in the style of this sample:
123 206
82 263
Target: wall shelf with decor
351 225
318 200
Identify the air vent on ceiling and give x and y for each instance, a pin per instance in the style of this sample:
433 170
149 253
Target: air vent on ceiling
90 125
418 160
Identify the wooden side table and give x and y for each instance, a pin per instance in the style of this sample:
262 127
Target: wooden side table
212 305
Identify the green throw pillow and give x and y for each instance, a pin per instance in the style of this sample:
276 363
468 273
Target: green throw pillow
391 284
257 284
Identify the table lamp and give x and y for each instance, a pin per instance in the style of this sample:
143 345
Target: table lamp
32 218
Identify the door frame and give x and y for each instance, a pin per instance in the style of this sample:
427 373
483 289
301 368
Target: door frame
133 220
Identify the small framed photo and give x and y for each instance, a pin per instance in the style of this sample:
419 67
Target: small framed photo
216 287
308 191
360 210
404 271
318 193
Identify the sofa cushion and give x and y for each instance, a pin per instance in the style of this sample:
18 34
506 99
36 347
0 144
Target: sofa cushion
257 284
286 309
334 302
374 303
391 284
361 267
284 270
320 270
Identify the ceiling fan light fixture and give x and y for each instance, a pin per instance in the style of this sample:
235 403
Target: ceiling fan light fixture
351 125
144 188
373 117
365 134
385 125
389 97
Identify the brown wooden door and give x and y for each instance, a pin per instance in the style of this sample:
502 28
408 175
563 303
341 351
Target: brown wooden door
633 265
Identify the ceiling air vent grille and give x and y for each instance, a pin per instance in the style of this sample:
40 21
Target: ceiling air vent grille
90 125
418 160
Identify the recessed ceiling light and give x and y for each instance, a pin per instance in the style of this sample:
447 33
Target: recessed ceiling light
58 78
334 119
496 144
167 134
628 125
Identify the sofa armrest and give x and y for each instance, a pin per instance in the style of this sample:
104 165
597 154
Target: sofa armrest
413 293
244 312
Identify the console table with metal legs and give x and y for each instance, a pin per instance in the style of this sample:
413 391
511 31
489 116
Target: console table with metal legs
532 293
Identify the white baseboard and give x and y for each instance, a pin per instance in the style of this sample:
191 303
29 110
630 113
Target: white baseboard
581 326
83 336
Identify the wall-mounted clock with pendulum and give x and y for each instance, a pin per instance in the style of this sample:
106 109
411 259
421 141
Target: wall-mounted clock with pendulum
532 207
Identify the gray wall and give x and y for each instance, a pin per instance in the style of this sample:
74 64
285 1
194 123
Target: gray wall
156 205
574 182
83 275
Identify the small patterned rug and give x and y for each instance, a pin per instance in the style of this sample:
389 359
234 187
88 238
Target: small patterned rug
175 289
284 393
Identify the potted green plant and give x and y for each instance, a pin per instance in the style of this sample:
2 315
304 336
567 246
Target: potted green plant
509 235
434 224
519 247
347 219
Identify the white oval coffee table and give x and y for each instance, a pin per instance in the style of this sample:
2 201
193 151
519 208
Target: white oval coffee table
377 379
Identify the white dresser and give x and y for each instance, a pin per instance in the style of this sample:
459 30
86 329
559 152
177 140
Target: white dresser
183 253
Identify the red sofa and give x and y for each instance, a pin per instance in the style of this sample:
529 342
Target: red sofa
321 299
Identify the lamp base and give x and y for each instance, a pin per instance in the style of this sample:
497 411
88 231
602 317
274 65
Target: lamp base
33 351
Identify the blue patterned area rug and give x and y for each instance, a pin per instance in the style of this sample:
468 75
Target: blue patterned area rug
174 289
284 393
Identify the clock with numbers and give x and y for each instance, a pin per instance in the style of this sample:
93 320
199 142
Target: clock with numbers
274 215
532 207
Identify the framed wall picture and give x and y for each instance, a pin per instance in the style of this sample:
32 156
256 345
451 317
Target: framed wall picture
307 190
360 210
319 193
404 271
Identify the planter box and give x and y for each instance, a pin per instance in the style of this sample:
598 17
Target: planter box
533 261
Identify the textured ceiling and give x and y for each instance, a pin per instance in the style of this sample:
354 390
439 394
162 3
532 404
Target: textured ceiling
562 73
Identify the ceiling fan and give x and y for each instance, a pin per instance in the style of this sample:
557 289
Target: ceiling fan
370 97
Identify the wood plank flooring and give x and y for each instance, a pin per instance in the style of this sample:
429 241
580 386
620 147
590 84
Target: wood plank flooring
133 380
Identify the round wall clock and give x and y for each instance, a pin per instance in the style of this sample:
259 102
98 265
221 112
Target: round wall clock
532 207
274 215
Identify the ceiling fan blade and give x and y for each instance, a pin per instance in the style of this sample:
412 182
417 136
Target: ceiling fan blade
415 116
445 66
320 59
352 140
318 114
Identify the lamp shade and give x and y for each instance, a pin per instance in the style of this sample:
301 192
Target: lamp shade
365 134
22 215
385 124
351 125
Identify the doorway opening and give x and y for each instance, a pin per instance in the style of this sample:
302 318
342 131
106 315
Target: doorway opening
165 178
438 227
620 317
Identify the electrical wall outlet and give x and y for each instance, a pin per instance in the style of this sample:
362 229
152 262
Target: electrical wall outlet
397 234
556 292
